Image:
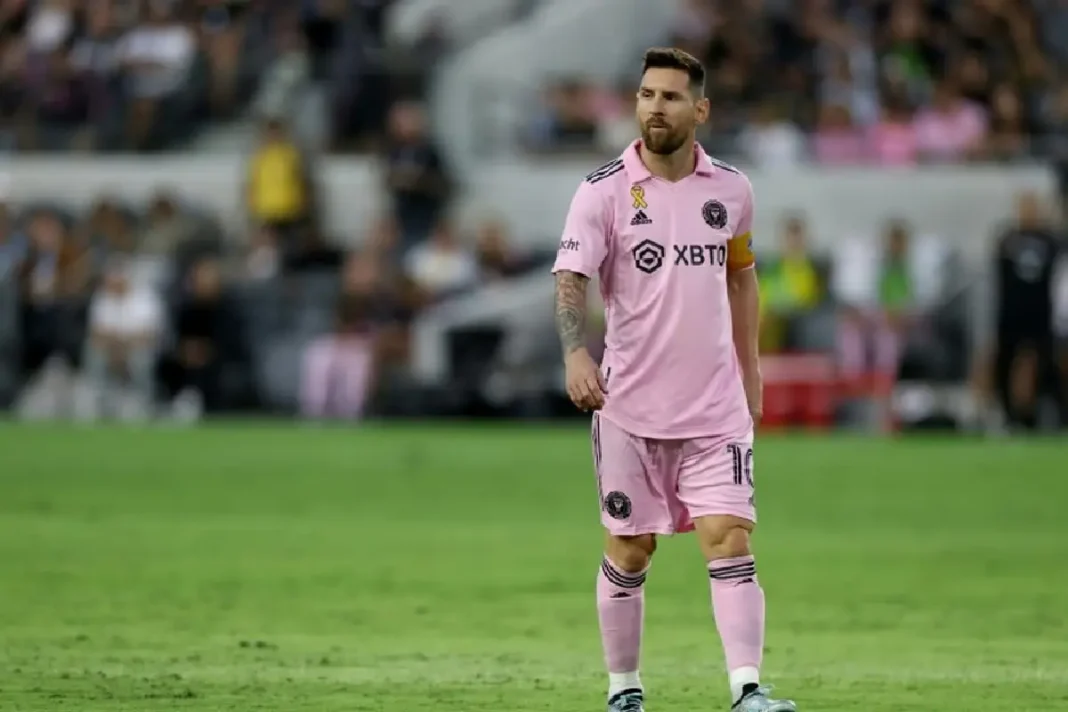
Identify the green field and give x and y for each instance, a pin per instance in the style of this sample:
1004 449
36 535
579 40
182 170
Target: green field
414 569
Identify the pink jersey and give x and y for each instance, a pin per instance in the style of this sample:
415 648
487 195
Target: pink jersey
662 251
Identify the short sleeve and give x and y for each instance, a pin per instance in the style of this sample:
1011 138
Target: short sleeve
584 244
740 247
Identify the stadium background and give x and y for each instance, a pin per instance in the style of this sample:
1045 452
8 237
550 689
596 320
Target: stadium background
207 203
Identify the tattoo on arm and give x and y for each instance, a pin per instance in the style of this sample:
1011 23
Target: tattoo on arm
571 310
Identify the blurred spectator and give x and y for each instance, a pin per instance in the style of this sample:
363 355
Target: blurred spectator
1007 139
416 176
616 127
13 245
95 58
51 24
892 139
166 227
338 372
126 323
879 292
387 299
54 279
952 128
109 233
285 77
207 332
280 191
789 287
1024 366
497 259
442 265
837 140
156 57
222 34
909 49
568 119
856 94
60 106
263 260
367 279
771 140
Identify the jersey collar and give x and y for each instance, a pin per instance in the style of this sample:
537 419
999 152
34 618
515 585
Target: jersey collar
637 171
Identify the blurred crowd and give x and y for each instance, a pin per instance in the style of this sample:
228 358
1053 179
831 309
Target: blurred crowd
122 75
163 300
886 82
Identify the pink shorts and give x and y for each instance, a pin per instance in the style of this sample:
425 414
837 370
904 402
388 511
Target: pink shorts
652 486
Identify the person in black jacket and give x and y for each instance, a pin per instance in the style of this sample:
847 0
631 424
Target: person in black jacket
1026 263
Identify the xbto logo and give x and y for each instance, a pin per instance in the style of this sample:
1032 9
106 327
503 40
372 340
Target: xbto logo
697 255
649 255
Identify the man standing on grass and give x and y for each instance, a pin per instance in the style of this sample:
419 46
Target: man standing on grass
666 230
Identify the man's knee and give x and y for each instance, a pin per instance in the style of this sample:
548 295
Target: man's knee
630 553
724 537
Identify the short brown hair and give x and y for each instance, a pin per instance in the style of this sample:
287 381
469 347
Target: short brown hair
672 58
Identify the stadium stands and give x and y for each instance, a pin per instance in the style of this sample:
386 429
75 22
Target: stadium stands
837 110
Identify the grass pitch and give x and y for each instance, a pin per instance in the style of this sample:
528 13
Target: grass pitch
408 569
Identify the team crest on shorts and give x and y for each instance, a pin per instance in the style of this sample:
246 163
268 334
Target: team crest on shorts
617 505
715 214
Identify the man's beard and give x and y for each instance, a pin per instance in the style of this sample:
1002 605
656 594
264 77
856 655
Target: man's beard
664 142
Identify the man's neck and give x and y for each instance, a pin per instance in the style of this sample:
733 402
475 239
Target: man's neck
671 167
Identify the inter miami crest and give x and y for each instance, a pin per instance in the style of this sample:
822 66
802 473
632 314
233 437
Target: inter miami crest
648 256
617 505
715 214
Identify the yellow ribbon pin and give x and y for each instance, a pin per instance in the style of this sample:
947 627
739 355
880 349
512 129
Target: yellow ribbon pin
638 193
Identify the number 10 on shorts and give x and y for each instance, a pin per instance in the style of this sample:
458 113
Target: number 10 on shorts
742 457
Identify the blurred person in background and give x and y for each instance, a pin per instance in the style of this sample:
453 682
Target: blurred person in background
13 245
569 118
263 256
771 140
207 332
1007 138
879 290
837 140
338 371
908 43
54 282
497 259
416 177
891 140
442 265
387 299
1023 367
951 128
222 35
615 121
165 228
155 57
286 76
126 323
51 23
108 232
279 189
95 58
60 105
789 286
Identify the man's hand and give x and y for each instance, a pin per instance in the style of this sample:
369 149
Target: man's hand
585 382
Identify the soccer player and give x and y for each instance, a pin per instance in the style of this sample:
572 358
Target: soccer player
666 230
